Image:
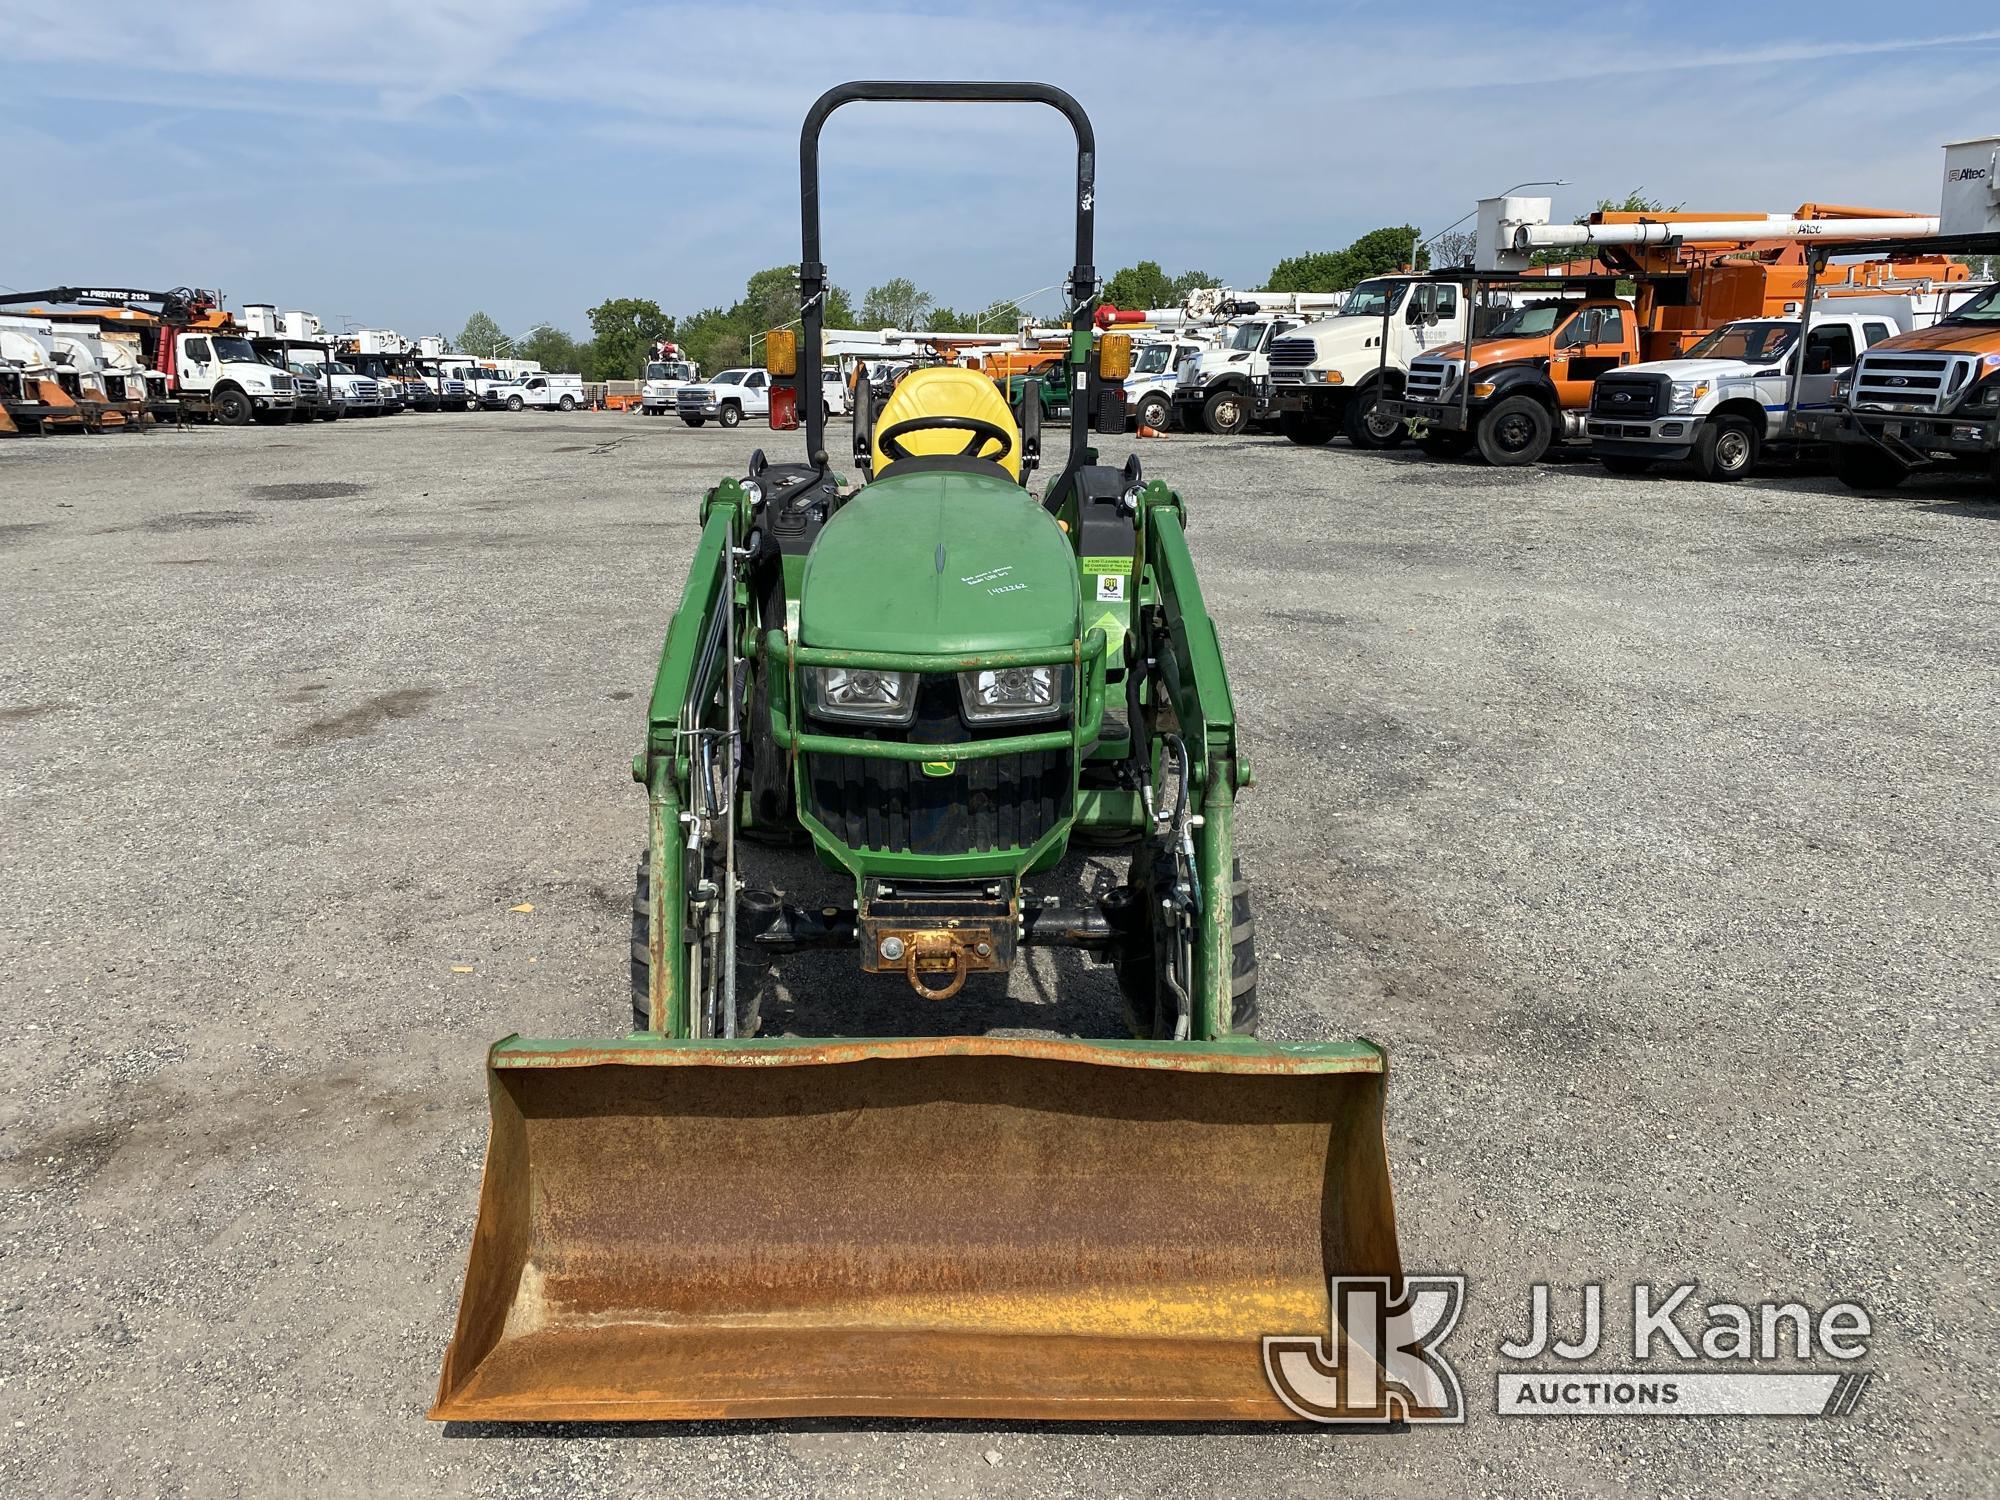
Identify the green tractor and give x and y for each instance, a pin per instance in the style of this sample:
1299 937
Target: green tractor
939 681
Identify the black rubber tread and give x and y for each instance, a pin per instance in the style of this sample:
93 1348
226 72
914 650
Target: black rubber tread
749 989
1138 988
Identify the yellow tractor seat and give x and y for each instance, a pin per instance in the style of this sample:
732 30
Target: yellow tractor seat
947 391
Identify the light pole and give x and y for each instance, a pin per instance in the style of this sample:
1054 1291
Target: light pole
1417 245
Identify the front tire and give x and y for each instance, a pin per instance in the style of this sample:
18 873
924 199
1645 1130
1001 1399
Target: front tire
233 408
1863 466
1226 413
1727 449
1626 463
1306 431
1444 446
1515 432
1155 412
730 416
749 989
515 403
1148 1005
694 421
1365 428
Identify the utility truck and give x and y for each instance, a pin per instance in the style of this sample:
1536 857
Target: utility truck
1727 402
663 379
545 392
1930 398
1527 386
1326 376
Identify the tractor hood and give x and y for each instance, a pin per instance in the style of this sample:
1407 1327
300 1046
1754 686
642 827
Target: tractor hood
940 562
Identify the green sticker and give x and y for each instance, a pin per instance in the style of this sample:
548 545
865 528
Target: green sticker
1107 564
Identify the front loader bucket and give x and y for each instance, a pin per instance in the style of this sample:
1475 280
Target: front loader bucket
949 1227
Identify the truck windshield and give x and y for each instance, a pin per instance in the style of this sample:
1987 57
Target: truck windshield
236 351
1370 299
1153 359
1250 336
339 369
658 372
1530 322
1985 308
1752 343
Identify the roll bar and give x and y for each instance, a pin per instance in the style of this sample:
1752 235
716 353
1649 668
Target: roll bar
1082 285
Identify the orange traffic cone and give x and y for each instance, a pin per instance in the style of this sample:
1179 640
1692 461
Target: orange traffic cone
1145 431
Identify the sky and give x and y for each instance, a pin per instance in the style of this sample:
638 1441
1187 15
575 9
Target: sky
401 163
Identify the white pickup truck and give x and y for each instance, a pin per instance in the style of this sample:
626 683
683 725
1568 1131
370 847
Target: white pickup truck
547 393
1726 400
728 398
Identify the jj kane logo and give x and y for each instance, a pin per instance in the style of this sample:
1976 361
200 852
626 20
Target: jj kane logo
1381 1358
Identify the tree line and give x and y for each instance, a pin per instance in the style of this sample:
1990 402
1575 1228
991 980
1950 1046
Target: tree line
624 329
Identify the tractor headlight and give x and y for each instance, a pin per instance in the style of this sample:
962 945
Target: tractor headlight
1001 694
1685 394
861 696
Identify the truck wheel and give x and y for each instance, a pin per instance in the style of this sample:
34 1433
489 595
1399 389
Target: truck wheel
1863 466
1444 445
1226 413
1727 449
1625 463
694 421
514 403
330 415
568 403
825 412
1306 431
233 408
1515 432
1367 429
1155 412
730 415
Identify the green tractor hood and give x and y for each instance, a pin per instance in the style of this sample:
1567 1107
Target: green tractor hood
950 563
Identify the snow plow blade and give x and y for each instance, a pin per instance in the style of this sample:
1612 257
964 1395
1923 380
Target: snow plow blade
911 1227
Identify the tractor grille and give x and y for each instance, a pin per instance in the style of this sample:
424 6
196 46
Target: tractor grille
1293 353
1628 396
1911 382
1003 802
1429 379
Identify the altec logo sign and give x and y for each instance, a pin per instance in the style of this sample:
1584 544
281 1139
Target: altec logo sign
1382 1359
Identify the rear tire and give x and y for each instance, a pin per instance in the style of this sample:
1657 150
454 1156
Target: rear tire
1727 449
1626 463
568 403
1515 432
1364 429
1226 413
1863 466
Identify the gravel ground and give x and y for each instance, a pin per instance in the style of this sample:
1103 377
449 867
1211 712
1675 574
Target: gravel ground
1649 824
